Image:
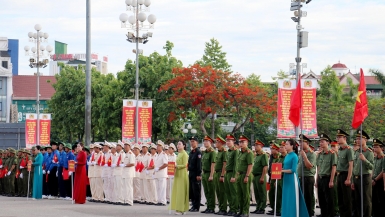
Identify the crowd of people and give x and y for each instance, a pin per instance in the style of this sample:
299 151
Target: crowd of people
232 175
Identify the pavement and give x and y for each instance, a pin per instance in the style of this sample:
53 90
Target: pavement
21 207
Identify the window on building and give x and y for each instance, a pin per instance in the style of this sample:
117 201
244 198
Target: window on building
4 64
1 106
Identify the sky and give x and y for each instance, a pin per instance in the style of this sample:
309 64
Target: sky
258 36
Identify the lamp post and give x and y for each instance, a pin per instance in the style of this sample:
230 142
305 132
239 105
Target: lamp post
34 62
188 132
136 23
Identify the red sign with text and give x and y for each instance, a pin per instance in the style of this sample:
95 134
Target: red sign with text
45 129
71 166
276 171
29 166
128 121
30 130
171 168
145 122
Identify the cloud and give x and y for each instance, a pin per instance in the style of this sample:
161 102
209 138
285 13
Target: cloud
258 36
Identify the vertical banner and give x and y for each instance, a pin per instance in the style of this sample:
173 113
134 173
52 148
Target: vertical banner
145 121
285 128
45 129
128 121
30 130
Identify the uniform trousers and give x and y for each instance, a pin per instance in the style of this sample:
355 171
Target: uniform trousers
260 192
143 186
1 184
209 189
98 184
93 187
62 188
25 182
244 193
45 184
344 195
367 194
53 183
308 193
20 187
128 190
325 196
194 191
170 182
378 199
272 194
107 188
150 191
220 192
117 196
161 187
68 187
231 191
137 192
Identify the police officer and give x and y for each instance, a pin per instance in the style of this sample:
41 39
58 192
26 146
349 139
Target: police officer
5 171
367 159
378 199
307 161
245 178
12 167
208 164
1 172
230 181
275 158
326 165
219 176
344 174
259 180
195 171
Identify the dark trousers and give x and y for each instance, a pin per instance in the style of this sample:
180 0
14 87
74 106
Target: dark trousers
325 197
344 195
195 192
68 187
378 199
62 187
52 183
45 185
367 194
308 193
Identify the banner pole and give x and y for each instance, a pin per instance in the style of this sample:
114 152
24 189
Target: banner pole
362 188
72 185
169 206
275 198
29 174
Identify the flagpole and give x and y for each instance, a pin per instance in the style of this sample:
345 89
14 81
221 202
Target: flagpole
362 188
303 159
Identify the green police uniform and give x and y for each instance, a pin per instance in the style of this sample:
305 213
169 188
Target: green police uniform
308 176
245 158
19 180
378 199
5 178
231 187
325 162
367 167
260 162
208 158
12 162
275 159
1 172
221 158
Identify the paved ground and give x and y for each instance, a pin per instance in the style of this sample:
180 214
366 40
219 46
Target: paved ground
21 207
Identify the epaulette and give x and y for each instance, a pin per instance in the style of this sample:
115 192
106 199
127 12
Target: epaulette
331 151
148 154
248 150
370 150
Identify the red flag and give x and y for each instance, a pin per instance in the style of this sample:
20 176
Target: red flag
100 161
361 109
141 166
296 104
137 167
109 161
119 159
151 163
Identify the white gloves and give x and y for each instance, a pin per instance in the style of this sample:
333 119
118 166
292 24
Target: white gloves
122 165
105 165
49 172
70 173
156 169
1 166
43 171
21 175
21 167
113 165
53 162
9 173
89 163
56 173
146 171
94 163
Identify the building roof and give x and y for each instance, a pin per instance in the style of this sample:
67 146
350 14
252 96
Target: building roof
371 80
24 87
339 66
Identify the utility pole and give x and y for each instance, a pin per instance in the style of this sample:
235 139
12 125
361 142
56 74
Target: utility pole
88 74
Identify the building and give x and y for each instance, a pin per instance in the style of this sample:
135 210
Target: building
75 60
24 95
6 69
13 51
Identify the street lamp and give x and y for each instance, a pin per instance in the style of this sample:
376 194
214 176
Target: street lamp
136 22
34 62
188 132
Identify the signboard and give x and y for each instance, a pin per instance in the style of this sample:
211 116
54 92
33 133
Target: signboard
81 56
285 128
145 122
28 106
29 166
128 121
45 129
30 130
276 171
171 168
71 166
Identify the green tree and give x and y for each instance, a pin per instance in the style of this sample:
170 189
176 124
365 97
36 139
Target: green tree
330 86
380 77
280 75
214 56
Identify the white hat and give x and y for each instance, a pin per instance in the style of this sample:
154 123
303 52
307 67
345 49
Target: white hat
165 147
97 146
120 143
113 145
107 143
159 142
153 146
136 145
172 146
92 145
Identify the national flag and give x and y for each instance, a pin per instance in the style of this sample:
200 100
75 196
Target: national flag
23 163
151 163
119 159
55 159
100 161
109 161
296 104
93 157
361 109
141 166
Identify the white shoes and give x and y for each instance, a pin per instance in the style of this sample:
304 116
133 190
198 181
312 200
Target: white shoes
51 197
45 197
67 198
179 213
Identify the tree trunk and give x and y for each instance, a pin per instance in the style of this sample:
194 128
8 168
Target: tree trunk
202 125
213 126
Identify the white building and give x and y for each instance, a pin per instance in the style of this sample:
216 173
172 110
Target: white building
75 60
5 81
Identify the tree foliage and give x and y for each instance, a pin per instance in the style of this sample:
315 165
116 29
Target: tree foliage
214 56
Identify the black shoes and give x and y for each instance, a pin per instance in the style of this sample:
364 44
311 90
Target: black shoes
221 212
194 210
160 204
259 212
209 211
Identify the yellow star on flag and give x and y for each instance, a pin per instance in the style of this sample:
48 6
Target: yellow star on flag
358 96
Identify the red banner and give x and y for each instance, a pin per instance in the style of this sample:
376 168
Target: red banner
276 171
145 122
171 168
45 129
30 130
29 166
71 166
285 128
128 121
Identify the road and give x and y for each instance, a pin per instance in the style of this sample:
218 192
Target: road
21 207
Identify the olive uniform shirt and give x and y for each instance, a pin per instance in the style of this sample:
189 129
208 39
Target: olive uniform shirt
207 159
220 159
345 155
245 158
231 164
325 161
367 165
378 164
260 161
311 156
12 161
